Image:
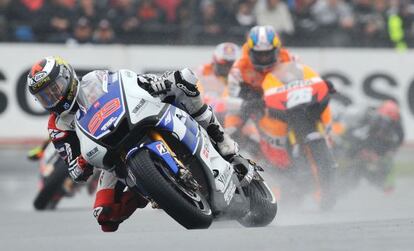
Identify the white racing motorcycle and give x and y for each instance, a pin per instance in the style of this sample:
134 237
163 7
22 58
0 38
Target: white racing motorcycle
163 154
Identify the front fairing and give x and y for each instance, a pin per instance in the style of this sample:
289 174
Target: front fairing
119 114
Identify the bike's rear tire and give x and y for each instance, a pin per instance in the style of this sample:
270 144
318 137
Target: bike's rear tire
263 205
166 194
51 192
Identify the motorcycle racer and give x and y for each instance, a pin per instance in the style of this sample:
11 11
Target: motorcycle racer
213 77
54 83
376 134
261 53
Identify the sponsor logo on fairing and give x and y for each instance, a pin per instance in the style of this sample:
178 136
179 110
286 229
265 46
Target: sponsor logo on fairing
138 106
225 176
92 152
107 110
108 123
161 149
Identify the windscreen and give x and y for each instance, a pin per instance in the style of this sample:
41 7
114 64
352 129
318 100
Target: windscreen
92 87
288 72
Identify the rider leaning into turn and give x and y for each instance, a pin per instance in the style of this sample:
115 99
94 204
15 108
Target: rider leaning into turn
54 83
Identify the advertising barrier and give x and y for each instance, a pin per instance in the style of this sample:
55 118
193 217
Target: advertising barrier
364 76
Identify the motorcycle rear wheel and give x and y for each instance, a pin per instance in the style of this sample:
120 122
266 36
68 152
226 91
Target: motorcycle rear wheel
192 212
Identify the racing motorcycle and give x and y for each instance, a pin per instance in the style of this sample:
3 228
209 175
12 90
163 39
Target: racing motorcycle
55 182
163 154
368 152
292 133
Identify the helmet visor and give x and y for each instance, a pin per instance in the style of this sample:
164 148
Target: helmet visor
222 68
51 94
263 58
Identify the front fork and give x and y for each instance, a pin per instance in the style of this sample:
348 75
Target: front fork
182 172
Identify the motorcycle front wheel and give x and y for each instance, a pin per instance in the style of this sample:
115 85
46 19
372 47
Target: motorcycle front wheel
51 192
190 209
320 154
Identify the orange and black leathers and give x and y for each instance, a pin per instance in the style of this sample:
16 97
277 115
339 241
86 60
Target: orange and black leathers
274 131
245 82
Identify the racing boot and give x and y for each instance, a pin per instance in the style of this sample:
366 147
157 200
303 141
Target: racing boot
226 146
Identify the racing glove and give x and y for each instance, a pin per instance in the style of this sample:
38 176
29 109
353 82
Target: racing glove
155 85
80 170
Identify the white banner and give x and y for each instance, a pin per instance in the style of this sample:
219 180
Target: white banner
364 76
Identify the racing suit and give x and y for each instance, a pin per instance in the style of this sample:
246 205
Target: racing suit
114 202
245 84
214 91
209 83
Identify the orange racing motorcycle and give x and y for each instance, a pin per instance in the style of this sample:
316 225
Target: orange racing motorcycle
293 134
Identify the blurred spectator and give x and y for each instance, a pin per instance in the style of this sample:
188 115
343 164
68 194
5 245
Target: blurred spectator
124 20
3 20
23 17
305 24
404 10
334 19
82 32
58 18
209 24
362 23
104 34
150 13
370 24
245 16
170 7
227 10
90 10
185 13
275 13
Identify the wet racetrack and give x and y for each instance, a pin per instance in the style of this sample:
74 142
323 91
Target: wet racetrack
365 219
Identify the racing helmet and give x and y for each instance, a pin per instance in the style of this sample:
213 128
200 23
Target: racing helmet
389 109
223 58
264 47
54 84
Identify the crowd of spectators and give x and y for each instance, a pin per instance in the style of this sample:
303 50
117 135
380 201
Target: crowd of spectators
361 23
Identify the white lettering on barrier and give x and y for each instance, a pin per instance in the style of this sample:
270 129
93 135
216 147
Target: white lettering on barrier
362 75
